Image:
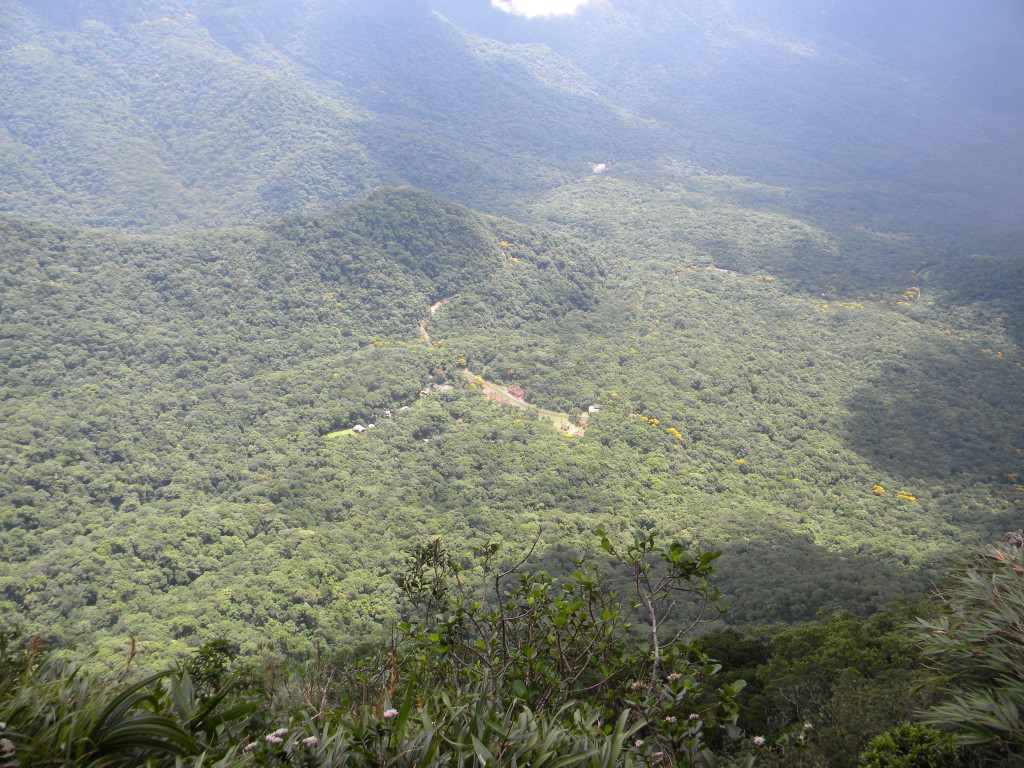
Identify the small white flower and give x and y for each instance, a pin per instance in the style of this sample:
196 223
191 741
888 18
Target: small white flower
250 747
694 716
6 747
389 713
280 731
309 741
3 726
673 677
808 726
759 741
274 739
670 719
638 743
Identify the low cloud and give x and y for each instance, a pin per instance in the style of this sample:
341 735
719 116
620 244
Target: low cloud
532 9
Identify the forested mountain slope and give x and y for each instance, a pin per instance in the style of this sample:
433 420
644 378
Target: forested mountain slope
168 114
779 257
176 114
145 381
177 461
739 282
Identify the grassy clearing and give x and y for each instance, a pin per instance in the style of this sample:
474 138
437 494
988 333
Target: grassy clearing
339 433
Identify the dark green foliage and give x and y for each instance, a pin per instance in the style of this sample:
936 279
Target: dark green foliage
203 382
503 665
526 635
984 283
821 691
467 731
550 641
62 715
176 460
155 116
112 724
209 665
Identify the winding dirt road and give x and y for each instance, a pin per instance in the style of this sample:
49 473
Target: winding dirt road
562 421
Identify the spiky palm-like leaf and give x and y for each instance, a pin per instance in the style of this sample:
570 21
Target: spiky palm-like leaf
978 647
63 716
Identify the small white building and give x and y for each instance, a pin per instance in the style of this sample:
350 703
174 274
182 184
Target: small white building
359 429
594 409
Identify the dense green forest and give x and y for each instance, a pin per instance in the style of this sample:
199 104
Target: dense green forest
332 332
189 399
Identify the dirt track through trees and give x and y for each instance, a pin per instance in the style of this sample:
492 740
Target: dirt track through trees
574 427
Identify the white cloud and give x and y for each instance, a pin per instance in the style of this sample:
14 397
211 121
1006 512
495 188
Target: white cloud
531 9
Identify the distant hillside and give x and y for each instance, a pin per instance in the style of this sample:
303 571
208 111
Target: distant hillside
902 115
169 115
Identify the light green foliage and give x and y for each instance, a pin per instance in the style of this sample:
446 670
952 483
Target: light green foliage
805 357
910 746
192 397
